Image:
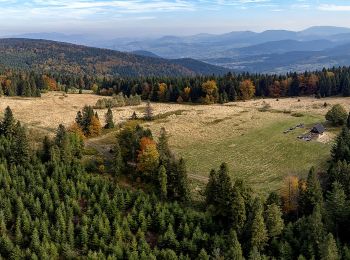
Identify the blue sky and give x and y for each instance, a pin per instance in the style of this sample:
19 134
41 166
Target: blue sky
113 18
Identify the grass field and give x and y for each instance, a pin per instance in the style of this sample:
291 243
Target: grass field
252 142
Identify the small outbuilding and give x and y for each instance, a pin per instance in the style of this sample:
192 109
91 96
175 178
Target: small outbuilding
318 129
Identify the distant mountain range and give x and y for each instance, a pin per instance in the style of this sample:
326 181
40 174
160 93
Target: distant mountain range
269 51
32 54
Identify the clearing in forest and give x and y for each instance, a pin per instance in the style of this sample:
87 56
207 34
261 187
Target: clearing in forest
247 135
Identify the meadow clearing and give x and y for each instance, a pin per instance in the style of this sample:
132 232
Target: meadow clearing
247 135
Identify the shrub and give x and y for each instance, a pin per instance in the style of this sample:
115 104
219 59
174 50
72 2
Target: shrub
337 115
118 101
297 114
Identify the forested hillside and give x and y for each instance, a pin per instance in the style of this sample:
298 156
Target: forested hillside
57 57
54 207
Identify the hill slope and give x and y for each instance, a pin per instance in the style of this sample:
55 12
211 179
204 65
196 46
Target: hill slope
69 58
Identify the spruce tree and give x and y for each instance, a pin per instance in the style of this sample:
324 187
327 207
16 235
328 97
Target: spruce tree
238 211
163 147
148 111
312 196
183 190
162 178
219 192
8 123
337 209
20 146
79 119
203 255
274 221
341 149
346 86
118 162
328 249
235 249
109 119
259 236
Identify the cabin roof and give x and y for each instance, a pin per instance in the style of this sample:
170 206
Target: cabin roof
319 128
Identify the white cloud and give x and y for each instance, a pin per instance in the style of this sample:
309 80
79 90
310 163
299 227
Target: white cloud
334 8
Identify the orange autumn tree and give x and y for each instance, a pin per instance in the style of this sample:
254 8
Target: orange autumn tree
50 83
76 129
95 127
290 193
247 89
275 89
148 156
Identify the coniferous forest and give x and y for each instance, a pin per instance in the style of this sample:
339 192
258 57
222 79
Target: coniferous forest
53 207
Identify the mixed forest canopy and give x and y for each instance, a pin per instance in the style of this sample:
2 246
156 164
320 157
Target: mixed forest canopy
197 89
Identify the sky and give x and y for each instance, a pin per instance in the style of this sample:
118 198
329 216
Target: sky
142 18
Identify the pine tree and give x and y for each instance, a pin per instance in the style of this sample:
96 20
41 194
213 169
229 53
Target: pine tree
109 119
238 211
203 255
328 249
61 136
341 149
254 254
312 196
163 147
182 181
8 123
274 221
20 148
258 229
219 192
337 209
346 87
148 111
235 249
118 163
79 119
162 178
47 144
35 241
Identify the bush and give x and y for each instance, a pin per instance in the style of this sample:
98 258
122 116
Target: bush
337 115
118 101
297 114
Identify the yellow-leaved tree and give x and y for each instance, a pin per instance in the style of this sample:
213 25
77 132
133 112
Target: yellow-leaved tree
162 91
290 193
76 129
148 156
211 90
247 89
95 127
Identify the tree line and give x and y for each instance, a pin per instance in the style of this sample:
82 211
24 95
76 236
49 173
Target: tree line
196 89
